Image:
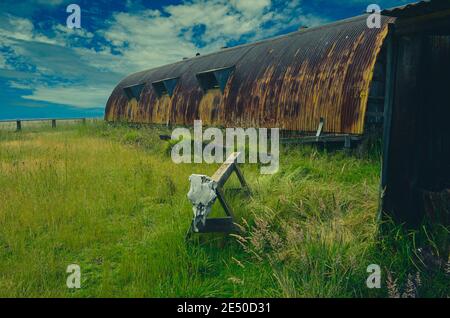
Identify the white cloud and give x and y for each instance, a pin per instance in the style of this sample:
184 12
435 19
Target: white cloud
251 7
78 96
153 38
220 22
146 40
16 28
28 50
2 62
63 31
140 40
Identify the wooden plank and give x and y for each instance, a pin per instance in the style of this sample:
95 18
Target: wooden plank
323 139
165 137
348 142
320 128
391 69
217 225
437 23
376 98
223 202
240 176
225 170
375 114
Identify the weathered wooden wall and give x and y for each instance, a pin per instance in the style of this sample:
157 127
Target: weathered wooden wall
418 176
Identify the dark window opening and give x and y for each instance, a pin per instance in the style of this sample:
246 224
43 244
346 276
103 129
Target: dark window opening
134 91
208 81
165 87
214 79
160 89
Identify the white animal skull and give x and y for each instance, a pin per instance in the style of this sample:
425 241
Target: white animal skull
202 194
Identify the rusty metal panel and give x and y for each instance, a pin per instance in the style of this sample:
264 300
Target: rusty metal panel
417 8
288 82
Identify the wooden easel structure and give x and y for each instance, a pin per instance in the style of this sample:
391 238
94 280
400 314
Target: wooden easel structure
220 177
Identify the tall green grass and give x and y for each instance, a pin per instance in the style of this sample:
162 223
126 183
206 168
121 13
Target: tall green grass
110 199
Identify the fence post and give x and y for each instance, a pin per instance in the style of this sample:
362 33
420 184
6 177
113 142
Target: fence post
19 125
53 123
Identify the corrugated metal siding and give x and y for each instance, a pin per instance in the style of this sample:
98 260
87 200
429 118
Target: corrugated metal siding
417 9
287 82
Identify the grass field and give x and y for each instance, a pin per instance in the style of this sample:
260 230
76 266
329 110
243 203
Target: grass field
109 199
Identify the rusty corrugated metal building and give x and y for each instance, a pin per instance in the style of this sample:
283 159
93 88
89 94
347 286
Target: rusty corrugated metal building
288 82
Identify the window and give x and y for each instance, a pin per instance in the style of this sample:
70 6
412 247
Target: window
165 87
215 79
134 91
207 81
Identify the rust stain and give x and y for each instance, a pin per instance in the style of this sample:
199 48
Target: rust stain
288 82
211 107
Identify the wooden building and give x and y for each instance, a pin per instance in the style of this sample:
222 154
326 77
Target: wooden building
416 164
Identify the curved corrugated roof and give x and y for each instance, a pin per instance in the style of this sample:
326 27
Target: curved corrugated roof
288 82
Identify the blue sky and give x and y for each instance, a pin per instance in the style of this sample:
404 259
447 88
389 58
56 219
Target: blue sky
49 70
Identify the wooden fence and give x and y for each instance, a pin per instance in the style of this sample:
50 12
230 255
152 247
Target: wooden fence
52 120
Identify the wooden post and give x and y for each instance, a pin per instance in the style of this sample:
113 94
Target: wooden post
348 142
83 121
391 76
53 123
320 128
240 176
18 125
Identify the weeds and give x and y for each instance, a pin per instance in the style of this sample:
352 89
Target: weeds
109 199
411 289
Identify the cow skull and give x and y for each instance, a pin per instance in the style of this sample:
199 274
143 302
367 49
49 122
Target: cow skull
202 195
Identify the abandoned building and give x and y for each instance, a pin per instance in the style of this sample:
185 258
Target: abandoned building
346 75
289 82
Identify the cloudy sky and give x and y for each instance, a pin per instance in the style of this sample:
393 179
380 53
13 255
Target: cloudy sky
49 70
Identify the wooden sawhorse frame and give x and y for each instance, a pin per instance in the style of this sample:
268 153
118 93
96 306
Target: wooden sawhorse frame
202 224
